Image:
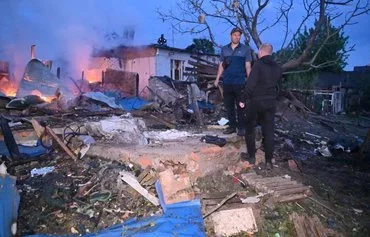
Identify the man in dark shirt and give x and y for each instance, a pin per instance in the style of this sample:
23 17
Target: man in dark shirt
260 95
234 67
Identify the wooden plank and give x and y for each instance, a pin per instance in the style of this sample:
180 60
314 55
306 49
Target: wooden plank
299 225
131 180
289 186
39 130
292 191
280 184
200 75
310 228
289 198
270 187
267 180
60 143
319 228
143 174
205 61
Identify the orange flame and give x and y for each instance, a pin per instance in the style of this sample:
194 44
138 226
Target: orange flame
7 87
45 98
93 75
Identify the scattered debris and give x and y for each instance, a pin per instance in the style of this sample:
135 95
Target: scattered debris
124 129
219 205
252 200
223 121
60 143
42 171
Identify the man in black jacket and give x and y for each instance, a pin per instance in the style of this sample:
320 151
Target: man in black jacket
259 98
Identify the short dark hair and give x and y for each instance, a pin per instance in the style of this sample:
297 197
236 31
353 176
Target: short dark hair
236 29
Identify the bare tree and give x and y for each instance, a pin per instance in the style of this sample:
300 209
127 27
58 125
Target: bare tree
197 16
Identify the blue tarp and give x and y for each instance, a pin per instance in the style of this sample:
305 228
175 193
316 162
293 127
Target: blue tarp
9 203
134 103
29 151
182 219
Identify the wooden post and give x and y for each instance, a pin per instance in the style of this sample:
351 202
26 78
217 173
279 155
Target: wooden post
58 72
33 51
196 108
137 85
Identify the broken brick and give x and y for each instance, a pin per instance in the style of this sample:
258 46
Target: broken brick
175 188
144 161
293 166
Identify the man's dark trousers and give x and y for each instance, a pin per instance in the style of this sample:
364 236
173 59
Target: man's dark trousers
232 97
265 111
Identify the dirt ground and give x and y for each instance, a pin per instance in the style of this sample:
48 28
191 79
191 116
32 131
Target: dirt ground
86 195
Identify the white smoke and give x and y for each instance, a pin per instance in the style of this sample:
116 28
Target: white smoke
65 31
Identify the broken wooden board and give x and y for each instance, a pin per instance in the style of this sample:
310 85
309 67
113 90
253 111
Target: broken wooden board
282 189
306 226
147 178
60 143
131 180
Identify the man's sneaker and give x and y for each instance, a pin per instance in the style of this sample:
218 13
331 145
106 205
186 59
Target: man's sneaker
241 132
268 165
250 158
229 130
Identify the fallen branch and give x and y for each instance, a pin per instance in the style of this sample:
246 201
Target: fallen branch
227 198
323 205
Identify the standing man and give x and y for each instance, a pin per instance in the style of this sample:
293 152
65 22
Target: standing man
260 95
234 67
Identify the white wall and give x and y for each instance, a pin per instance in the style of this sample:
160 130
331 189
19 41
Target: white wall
145 67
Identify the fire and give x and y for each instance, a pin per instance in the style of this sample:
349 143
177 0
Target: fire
7 87
93 75
45 98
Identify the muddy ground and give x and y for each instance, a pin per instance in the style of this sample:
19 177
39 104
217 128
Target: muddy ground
85 196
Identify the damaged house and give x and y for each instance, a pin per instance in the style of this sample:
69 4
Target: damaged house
147 61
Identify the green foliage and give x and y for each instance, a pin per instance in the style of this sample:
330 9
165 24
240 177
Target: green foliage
303 81
333 50
201 46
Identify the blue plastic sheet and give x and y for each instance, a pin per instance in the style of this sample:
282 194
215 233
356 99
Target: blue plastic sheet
134 103
182 219
9 203
29 151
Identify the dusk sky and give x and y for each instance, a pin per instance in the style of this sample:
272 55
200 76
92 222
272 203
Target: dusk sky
69 29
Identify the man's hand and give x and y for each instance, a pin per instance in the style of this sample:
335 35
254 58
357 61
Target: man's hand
216 82
241 105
